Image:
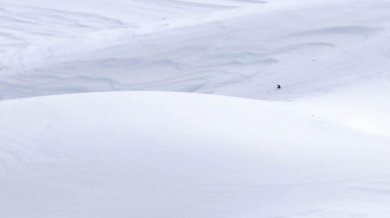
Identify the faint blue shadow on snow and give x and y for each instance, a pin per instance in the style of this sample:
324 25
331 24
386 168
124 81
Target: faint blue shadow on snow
356 30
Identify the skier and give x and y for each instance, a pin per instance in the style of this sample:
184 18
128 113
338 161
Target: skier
278 86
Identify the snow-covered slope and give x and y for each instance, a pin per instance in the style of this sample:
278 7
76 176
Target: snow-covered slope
234 48
145 154
317 148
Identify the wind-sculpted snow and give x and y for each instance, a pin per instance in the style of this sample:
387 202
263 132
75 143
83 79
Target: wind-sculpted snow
40 33
145 154
229 48
318 147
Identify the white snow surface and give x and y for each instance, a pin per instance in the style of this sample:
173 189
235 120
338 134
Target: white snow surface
233 48
169 109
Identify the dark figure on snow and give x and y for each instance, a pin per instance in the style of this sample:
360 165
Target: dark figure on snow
278 86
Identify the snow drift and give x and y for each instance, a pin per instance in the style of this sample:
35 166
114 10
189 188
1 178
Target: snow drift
144 154
317 148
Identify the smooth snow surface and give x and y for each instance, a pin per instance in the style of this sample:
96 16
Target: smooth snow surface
147 154
169 109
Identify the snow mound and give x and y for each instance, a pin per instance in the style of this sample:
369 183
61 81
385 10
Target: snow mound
151 154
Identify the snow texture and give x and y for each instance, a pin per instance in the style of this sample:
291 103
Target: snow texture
169 109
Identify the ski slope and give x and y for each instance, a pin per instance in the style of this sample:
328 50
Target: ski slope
169 108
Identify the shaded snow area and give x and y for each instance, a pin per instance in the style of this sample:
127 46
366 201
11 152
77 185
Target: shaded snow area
169 109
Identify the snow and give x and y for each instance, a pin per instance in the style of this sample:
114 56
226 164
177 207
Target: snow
242 52
131 154
170 108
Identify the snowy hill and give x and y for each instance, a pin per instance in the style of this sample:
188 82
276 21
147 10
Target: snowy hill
150 108
136 155
233 48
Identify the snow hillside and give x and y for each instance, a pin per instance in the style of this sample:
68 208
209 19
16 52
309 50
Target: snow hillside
234 48
169 108
132 154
